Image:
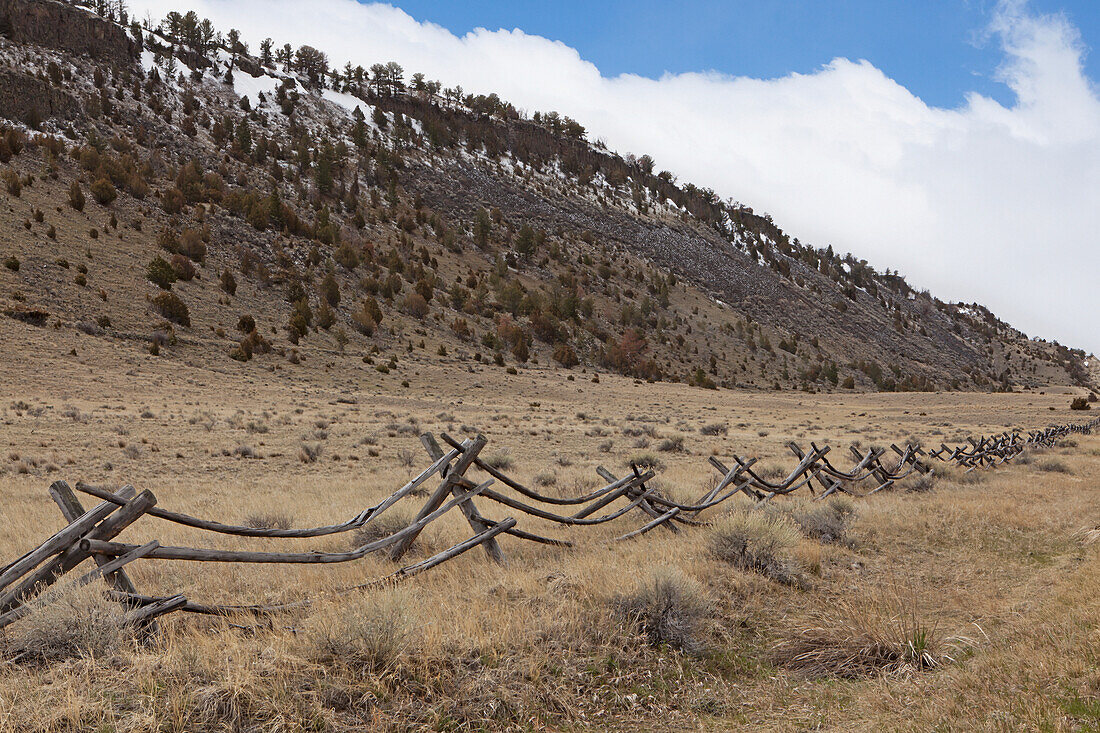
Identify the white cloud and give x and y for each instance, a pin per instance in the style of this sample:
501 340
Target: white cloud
986 202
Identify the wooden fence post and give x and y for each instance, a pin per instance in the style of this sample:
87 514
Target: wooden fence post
477 522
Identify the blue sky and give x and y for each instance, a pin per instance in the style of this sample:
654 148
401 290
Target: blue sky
933 47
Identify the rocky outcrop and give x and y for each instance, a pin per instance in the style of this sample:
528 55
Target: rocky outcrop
66 28
28 99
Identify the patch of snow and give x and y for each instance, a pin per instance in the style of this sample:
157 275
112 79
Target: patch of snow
148 60
249 86
346 101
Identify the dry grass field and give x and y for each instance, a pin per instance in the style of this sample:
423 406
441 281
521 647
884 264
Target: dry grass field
969 606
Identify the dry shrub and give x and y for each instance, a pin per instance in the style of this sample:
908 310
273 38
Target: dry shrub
1053 466
646 462
718 428
268 520
500 460
67 623
760 542
388 523
1088 535
825 521
921 483
882 633
369 634
673 444
309 453
771 472
669 608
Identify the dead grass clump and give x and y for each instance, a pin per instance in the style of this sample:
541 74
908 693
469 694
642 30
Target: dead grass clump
718 428
386 524
545 479
1053 465
1087 536
759 542
859 639
309 453
825 521
268 520
66 624
646 462
369 635
921 483
500 460
672 444
669 608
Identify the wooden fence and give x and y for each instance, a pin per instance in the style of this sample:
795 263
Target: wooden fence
90 534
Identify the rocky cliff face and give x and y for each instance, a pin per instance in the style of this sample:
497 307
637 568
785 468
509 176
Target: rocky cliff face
66 28
28 99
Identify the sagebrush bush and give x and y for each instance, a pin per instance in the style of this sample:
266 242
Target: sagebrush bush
824 521
76 196
672 444
669 608
185 271
171 307
369 633
103 191
1053 465
161 273
388 523
267 520
67 623
500 460
760 542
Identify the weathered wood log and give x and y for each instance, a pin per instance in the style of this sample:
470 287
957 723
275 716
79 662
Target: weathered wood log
141 616
196 554
477 523
633 491
212 526
469 455
56 544
645 528
48 573
69 505
402 574
111 566
528 492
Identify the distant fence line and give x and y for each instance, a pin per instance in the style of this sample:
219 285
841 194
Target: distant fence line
90 534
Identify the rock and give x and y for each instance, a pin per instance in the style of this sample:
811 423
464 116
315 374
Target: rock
67 28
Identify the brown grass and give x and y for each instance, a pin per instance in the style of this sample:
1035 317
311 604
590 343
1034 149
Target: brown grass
540 642
878 633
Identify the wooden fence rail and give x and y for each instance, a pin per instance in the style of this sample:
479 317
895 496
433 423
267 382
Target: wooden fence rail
91 534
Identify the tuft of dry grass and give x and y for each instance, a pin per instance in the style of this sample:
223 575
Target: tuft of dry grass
1053 465
759 542
824 521
370 633
268 520
669 609
876 634
67 623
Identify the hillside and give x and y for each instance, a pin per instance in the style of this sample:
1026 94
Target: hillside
167 189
